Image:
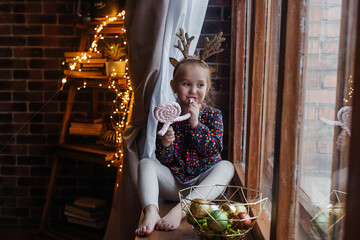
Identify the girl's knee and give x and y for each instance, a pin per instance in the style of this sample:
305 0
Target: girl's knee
146 163
227 167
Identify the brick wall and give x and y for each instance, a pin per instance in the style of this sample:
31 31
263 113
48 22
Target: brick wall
33 37
218 19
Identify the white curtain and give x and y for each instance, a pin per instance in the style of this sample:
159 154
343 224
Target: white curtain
186 14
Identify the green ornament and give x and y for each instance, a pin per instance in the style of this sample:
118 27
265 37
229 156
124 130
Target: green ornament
218 220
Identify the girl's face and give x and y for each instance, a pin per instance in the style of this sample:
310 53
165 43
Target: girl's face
191 84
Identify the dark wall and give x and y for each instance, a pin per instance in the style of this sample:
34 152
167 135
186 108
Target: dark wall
218 19
33 36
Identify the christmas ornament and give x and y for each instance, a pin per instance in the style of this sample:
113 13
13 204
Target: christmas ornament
217 221
230 209
199 207
243 221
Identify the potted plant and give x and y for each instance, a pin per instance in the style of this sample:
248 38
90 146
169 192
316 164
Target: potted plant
115 53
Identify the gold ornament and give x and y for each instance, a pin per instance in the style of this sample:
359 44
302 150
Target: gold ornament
240 208
199 207
230 209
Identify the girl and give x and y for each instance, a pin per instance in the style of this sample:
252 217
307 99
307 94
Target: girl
188 153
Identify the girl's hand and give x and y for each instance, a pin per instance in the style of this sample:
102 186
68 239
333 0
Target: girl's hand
194 110
168 137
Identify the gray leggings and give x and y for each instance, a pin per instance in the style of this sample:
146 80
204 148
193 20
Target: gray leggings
155 179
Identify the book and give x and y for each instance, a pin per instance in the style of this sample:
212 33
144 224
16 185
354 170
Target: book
87 125
87 69
89 202
83 119
97 224
75 54
85 66
82 73
86 211
92 65
84 131
89 219
89 60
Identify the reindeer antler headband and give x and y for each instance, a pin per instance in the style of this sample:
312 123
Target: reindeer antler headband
211 47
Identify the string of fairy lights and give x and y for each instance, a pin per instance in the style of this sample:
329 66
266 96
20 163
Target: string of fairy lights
350 93
122 103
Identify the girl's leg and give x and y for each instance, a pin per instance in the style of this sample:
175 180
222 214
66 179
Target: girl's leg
148 192
155 179
221 173
169 188
151 175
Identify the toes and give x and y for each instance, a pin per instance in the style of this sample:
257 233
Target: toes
141 231
147 231
159 224
162 225
169 227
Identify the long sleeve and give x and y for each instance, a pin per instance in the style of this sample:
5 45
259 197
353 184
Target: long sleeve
208 138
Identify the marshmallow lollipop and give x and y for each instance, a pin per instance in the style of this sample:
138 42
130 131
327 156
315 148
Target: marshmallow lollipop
168 113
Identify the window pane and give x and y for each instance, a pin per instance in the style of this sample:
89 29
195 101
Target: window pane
322 172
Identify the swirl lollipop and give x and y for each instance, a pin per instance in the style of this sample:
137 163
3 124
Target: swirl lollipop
168 113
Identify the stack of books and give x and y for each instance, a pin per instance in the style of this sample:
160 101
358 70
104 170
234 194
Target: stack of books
86 211
94 66
86 126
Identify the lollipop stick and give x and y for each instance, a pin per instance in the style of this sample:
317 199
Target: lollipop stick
164 129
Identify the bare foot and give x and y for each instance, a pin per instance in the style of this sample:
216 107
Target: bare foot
151 216
171 220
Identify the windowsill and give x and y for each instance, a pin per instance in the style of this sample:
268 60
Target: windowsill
262 228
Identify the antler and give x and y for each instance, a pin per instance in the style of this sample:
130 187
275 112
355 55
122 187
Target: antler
212 47
184 44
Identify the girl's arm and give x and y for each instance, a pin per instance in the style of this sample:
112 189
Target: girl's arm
163 153
208 135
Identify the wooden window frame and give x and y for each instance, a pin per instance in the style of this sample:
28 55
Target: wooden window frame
248 175
286 128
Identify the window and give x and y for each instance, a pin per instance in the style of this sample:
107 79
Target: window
293 74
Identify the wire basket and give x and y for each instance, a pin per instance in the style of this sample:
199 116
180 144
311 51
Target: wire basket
221 211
